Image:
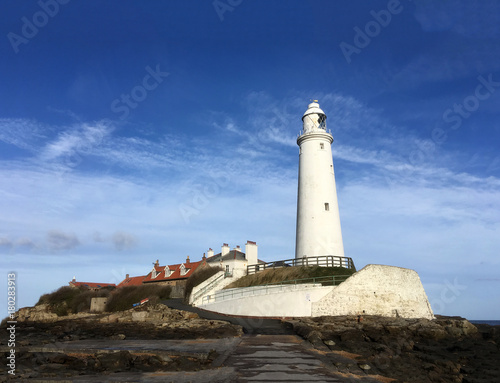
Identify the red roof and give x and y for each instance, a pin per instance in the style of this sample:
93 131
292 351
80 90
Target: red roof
173 272
91 285
132 281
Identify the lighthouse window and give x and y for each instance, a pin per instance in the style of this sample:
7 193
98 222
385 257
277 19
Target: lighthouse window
322 122
321 145
327 206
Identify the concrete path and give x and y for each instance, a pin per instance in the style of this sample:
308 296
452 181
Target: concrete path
282 358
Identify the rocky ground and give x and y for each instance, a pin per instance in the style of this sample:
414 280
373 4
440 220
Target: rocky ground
353 349
42 340
407 350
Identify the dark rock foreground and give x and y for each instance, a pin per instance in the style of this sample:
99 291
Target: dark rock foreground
447 349
158 340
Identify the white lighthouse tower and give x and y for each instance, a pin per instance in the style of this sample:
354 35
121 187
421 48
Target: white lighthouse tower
318 220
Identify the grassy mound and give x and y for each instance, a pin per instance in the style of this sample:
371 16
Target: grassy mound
71 300
275 276
123 298
198 277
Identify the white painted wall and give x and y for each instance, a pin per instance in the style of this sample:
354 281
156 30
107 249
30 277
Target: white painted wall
293 300
318 226
377 290
251 252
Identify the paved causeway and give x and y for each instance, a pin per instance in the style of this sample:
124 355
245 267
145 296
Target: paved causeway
277 358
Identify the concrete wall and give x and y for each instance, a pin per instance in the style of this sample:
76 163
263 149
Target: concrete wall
98 304
294 300
377 290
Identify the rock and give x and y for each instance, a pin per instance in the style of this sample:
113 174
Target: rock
329 342
139 316
364 366
165 358
117 337
115 361
40 313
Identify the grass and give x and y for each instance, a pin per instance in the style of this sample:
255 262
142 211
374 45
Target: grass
199 276
66 299
124 297
275 276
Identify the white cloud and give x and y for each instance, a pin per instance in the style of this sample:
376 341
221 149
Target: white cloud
76 140
23 133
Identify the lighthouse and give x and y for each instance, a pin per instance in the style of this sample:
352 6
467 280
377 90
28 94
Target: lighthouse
318 219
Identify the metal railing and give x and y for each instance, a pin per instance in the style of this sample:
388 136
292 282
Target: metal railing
323 260
223 295
208 286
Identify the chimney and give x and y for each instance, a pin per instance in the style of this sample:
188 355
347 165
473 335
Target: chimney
187 260
73 280
204 257
238 249
251 252
157 263
225 249
210 253
127 276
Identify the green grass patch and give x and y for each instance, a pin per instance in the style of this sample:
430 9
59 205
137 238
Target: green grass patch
276 276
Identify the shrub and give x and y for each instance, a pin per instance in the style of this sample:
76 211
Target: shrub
124 297
199 276
66 299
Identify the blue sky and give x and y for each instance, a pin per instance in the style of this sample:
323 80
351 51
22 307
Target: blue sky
136 131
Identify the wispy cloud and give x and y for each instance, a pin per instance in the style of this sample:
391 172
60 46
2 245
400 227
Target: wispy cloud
120 240
77 139
123 241
22 133
58 240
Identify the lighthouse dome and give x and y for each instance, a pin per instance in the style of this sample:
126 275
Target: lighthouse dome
313 108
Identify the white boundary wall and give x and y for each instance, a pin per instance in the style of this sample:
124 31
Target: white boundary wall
294 300
374 290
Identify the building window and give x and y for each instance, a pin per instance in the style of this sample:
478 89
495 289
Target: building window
327 206
321 145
